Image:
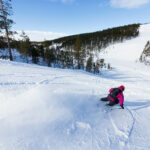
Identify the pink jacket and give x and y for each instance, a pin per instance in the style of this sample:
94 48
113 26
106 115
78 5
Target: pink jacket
119 96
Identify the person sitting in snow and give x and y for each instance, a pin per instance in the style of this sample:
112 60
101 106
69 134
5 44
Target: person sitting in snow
115 96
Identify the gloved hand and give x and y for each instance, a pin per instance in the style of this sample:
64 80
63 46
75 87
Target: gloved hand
122 107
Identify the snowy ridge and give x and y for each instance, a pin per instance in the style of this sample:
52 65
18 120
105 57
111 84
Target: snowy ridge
58 109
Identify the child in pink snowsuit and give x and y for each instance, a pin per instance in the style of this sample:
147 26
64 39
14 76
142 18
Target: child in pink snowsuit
115 96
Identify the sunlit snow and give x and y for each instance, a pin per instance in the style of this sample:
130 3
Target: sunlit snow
45 108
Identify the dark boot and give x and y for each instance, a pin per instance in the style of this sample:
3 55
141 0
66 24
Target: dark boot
111 103
105 99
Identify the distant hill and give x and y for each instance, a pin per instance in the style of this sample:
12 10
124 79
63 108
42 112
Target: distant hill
100 38
76 51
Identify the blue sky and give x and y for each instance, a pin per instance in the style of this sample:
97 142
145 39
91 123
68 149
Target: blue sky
53 18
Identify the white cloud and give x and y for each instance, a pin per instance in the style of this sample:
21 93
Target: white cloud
40 35
128 3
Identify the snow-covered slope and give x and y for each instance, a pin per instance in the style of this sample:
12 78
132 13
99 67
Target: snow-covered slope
130 50
53 109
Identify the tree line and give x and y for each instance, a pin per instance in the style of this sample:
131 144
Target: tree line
75 52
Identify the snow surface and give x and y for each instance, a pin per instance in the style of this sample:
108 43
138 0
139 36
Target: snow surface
45 108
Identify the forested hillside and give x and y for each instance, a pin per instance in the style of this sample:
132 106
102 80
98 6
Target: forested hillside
76 51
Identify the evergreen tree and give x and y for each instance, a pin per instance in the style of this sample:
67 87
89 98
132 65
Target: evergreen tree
25 46
67 59
77 50
5 23
62 58
50 57
34 53
42 54
79 53
89 64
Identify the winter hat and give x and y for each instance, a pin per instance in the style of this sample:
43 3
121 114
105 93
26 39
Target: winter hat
123 87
